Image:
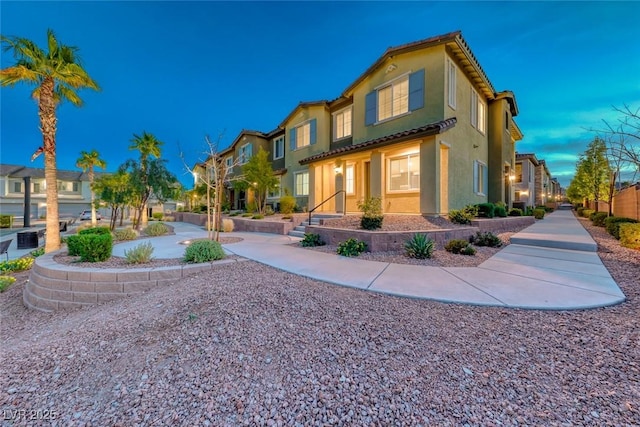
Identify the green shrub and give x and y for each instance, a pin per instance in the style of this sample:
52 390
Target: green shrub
538 213
156 229
268 211
598 218
630 235
486 210
371 213
73 245
157 216
311 239
351 247
95 230
234 213
203 251
580 210
247 214
37 252
14 265
586 213
139 254
257 216
469 250
5 282
501 211
95 247
252 206
125 234
287 204
419 246
486 238
6 221
515 212
612 224
463 216
456 246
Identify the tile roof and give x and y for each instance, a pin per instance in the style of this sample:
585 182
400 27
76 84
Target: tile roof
18 171
426 130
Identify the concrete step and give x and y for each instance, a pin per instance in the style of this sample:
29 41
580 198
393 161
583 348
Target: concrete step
295 233
300 228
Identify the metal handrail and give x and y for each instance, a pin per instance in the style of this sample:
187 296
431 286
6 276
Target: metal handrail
325 201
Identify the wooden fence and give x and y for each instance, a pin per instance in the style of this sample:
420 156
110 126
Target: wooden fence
625 204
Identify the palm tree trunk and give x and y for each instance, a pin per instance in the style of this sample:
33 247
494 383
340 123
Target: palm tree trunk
94 221
48 121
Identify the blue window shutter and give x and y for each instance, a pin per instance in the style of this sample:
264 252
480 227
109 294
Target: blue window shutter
292 138
312 131
370 112
416 90
485 180
475 176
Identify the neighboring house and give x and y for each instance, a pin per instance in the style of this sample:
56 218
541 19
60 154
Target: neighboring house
543 184
74 193
422 128
525 179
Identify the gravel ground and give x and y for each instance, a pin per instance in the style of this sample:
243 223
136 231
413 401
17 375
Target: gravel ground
251 345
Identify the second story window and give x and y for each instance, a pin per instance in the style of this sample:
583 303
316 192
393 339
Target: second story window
245 153
518 172
478 112
303 135
451 84
278 148
395 98
342 124
229 162
17 187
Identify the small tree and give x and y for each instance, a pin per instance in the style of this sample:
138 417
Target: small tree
593 173
257 176
116 192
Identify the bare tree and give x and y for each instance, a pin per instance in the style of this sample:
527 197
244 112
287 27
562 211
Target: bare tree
627 131
214 172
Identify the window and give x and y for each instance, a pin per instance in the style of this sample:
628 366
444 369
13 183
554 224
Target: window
17 187
451 84
36 187
518 172
478 112
276 192
278 148
229 162
349 180
393 100
75 187
245 153
302 184
303 135
342 124
506 120
404 173
480 177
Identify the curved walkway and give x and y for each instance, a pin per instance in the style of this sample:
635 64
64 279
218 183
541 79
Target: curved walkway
553 267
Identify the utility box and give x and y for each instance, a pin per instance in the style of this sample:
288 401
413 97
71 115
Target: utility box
28 240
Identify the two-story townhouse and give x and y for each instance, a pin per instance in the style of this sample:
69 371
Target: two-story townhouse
428 133
543 184
525 180
74 192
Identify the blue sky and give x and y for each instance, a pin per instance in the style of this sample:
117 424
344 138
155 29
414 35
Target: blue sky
181 70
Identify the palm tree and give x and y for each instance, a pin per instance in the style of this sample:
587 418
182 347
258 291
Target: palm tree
88 161
57 74
148 145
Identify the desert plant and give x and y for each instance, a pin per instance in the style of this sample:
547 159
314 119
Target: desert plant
247 214
37 252
156 229
157 216
125 234
612 224
586 213
486 238
287 204
469 250
169 218
19 264
227 225
351 247
268 211
464 215
372 215
419 246
456 246
538 213
234 213
515 212
598 218
5 282
630 235
257 216
486 210
95 230
6 221
311 239
139 254
203 251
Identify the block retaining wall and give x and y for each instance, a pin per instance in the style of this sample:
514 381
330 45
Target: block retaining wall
245 224
378 241
54 286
